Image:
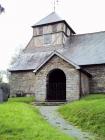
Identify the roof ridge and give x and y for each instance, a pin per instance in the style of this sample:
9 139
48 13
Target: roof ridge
88 33
55 52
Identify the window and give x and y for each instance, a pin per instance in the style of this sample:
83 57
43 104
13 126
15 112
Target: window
47 39
40 30
67 31
54 28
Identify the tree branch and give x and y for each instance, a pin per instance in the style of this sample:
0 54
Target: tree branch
1 9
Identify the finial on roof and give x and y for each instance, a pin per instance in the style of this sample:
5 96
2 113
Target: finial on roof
55 2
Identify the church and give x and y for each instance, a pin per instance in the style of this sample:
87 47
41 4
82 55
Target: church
59 65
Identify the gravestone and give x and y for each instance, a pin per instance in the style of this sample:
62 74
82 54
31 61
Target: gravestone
4 92
1 95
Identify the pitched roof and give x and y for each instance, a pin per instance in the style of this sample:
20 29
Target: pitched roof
84 49
59 55
53 17
29 61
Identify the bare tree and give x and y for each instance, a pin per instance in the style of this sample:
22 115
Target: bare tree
16 55
1 9
1 77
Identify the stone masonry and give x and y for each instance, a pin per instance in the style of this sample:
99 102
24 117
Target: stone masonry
97 82
72 79
31 83
22 82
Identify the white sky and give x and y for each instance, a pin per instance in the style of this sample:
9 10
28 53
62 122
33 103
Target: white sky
15 24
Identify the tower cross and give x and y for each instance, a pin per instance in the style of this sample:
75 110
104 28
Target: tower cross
55 3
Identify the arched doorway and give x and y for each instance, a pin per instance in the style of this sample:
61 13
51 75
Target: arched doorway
56 86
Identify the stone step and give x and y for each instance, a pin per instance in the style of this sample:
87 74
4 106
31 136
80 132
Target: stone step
49 103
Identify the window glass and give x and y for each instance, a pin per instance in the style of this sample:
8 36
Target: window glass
47 39
40 30
54 28
68 31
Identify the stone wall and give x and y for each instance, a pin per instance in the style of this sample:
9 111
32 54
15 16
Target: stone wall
22 82
72 79
85 89
97 82
35 83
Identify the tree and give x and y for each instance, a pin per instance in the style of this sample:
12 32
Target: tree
1 77
4 76
1 9
16 55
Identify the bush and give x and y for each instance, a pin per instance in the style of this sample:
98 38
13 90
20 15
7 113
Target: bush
20 93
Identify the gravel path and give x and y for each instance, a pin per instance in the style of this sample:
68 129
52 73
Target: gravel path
52 116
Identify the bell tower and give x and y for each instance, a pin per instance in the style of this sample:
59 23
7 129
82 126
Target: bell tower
51 30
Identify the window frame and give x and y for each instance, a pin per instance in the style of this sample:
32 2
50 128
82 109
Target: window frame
46 38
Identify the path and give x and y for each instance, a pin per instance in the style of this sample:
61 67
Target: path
50 113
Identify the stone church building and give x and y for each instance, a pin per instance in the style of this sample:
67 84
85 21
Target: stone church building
58 64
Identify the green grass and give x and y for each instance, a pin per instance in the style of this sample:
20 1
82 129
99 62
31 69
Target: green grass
88 114
23 99
22 121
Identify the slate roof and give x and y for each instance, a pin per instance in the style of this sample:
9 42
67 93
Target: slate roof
53 17
28 61
87 49
55 53
84 49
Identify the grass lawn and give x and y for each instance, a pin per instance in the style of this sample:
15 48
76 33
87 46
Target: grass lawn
21 121
23 99
88 114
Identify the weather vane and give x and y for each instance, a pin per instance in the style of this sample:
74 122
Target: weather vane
55 3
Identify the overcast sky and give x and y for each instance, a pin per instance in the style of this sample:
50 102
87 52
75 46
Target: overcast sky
83 16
